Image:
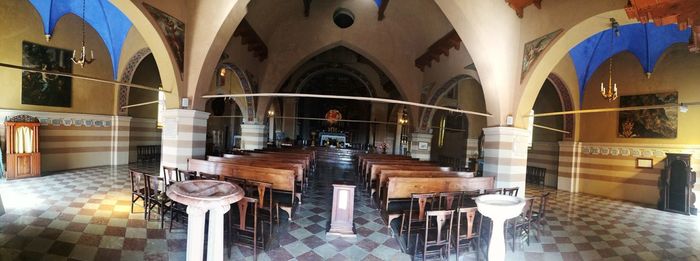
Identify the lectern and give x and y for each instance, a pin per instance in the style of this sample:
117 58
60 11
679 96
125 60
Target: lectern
22 143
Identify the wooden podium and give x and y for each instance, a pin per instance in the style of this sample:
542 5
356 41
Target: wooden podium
22 143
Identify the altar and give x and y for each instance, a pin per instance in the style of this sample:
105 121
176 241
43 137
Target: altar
337 136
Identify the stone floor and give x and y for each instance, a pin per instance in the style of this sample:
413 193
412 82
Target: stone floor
84 215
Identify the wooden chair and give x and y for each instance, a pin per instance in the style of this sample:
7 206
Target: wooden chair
448 200
171 175
208 176
247 229
468 233
156 197
468 198
187 174
436 236
138 191
520 225
262 190
415 216
538 217
493 191
511 191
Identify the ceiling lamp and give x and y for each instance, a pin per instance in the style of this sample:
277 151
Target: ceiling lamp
82 60
610 93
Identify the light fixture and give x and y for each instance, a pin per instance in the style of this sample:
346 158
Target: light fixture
222 72
82 60
404 118
271 113
610 92
683 108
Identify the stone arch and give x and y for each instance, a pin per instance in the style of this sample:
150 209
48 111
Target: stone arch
127 75
247 87
541 69
427 114
167 65
347 70
567 103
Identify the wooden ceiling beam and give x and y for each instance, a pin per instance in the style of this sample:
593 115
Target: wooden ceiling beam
382 9
250 38
441 47
519 5
685 13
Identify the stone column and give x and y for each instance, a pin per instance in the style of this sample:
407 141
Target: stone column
289 125
184 136
121 128
195 232
416 140
505 156
216 233
569 162
252 136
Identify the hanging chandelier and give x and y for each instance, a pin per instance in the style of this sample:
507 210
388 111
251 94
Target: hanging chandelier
82 60
610 92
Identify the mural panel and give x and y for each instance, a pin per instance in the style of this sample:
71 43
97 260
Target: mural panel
41 88
649 123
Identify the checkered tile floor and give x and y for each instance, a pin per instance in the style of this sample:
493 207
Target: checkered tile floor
84 215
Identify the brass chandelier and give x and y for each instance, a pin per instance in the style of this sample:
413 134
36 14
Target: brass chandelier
610 92
82 60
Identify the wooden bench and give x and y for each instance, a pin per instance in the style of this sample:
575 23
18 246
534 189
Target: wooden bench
362 158
378 168
380 188
399 190
373 168
282 180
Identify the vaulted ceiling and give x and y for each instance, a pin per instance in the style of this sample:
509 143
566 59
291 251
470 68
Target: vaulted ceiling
110 23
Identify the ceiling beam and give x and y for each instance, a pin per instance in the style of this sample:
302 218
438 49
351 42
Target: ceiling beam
441 47
250 37
685 13
382 8
307 7
519 5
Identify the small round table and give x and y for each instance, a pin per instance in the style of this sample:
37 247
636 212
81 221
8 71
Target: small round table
499 208
201 196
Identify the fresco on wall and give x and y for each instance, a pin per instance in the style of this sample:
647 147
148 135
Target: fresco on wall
174 32
651 123
42 88
534 48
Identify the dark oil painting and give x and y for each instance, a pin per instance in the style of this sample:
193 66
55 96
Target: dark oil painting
41 88
174 32
648 123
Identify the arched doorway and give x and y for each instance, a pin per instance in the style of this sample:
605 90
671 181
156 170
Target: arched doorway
450 134
545 143
144 129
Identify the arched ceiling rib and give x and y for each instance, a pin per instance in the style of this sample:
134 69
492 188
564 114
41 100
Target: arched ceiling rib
646 41
110 23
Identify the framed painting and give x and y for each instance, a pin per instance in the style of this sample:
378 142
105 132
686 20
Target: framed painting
174 32
41 88
648 123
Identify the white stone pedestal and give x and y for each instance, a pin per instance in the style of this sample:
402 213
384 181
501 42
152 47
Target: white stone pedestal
201 196
499 208
342 212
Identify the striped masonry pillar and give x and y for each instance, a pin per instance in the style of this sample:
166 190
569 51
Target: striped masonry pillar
184 137
569 163
121 128
505 156
420 145
252 136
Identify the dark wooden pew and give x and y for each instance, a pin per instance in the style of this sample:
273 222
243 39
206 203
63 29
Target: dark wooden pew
380 189
399 190
282 180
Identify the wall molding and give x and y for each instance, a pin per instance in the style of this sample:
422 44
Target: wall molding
61 118
637 149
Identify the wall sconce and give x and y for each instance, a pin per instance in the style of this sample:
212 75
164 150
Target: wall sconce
683 108
271 113
222 72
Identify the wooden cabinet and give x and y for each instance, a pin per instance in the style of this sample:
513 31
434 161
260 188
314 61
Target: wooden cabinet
22 146
676 185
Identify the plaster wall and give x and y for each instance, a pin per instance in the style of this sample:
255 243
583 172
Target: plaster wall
21 22
608 162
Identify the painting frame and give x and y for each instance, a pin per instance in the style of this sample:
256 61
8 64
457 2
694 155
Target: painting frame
644 163
659 123
44 89
174 33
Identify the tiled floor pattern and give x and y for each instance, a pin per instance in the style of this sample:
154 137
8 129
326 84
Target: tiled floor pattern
84 215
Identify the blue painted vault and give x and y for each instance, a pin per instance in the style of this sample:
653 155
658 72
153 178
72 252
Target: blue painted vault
646 41
110 23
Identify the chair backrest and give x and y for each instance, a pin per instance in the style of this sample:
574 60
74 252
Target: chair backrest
440 220
171 175
260 189
469 217
449 200
234 180
187 175
137 181
153 184
243 205
468 198
208 176
511 191
527 209
493 191
422 200
543 205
